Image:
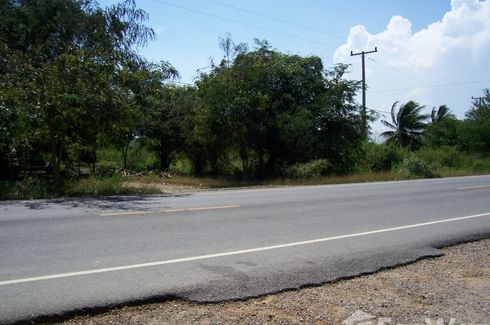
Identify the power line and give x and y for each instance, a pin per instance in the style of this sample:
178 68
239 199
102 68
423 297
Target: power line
399 71
427 72
407 74
305 39
281 20
242 23
432 86
328 34
324 33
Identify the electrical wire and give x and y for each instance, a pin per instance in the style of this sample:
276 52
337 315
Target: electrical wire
432 86
242 23
313 41
281 20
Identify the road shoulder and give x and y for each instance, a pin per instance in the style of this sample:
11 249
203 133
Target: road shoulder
455 285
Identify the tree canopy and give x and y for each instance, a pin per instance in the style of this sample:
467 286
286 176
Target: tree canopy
407 124
273 109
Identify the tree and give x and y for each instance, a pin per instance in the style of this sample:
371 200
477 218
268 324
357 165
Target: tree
163 126
137 98
71 50
230 50
476 126
442 129
257 107
272 110
407 126
440 114
338 122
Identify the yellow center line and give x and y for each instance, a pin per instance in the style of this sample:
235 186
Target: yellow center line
473 187
113 214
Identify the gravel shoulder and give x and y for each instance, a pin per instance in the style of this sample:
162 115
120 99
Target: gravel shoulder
456 285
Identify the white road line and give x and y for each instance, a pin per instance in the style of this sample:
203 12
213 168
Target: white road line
245 251
473 187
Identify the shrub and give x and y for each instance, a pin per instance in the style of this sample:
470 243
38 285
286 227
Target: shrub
479 165
29 188
382 157
314 168
444 156
414 167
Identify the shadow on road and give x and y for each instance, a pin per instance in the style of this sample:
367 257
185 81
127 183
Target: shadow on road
99 203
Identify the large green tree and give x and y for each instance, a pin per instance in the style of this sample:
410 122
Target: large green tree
139 97
67 53
271 110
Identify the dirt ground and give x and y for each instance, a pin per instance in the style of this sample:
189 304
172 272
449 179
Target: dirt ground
453 288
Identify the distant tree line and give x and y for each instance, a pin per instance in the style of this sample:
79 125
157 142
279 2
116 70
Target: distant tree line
72 82
412 129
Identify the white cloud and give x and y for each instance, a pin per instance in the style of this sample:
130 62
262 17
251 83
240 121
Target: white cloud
455 49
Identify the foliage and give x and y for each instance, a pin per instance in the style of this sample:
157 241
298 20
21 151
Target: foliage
443 133
382 157
273 109
414 167
444 156
28 188
442 130
314 168
77 102
163 127
407 125
66 55
440 114
475 130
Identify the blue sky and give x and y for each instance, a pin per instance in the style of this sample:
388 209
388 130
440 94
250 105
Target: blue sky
429 43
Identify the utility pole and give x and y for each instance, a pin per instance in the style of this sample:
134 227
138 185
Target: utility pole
364 113
478 100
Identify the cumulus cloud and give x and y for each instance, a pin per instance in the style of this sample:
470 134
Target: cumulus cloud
455 49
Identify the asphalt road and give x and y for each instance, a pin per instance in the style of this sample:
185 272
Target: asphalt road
60 256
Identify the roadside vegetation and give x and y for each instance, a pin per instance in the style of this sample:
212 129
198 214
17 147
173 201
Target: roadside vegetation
82 113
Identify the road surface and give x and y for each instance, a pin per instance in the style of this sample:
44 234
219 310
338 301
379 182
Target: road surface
61 256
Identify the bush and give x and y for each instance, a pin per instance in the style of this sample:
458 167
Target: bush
444 156
382 157
314 168
479 165
414 167
29 188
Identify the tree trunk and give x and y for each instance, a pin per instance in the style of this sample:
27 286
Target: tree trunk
164 160
125 155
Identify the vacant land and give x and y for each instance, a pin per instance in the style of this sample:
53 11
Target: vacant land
456 285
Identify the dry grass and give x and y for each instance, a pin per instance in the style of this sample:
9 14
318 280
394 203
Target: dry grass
202 183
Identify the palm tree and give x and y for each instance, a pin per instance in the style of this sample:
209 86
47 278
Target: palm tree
407 124
440 114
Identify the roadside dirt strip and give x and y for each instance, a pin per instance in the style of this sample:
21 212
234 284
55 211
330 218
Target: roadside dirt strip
453 289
